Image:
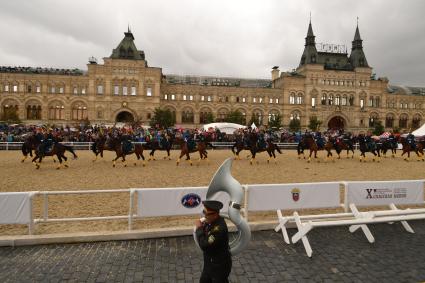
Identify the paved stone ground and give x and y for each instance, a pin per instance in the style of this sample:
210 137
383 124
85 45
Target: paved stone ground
338 256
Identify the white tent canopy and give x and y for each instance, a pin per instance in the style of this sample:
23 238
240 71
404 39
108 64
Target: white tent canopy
419 132
227 128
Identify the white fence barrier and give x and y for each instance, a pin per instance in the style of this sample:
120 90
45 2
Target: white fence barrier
16 208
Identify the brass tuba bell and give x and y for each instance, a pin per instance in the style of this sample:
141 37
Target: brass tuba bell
223 181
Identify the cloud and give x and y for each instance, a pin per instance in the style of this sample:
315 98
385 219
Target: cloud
224 38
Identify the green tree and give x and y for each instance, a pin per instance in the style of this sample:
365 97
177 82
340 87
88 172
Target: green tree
295 125
163 118
209 118
275 121
255 118
314 123
10 115
235 117
378 128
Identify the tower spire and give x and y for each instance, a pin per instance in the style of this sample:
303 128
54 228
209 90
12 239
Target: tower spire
357 57
310 52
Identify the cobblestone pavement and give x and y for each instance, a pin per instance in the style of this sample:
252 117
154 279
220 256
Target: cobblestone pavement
338 256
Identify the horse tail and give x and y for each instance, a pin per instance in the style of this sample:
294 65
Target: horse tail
94 147
70 149
24 149
278 149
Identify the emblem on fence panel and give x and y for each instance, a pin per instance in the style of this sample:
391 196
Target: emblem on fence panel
295 194
191 200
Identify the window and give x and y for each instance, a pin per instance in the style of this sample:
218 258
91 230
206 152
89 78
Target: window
351 100
79 112
75 90
38 89
33 112
166 96
370 102
226 99
237 99
191 97
337 100
243 99
52 89
402 123
100 89
389 121
254 100
209 98
344 100
133 90
187 116
331 99
6 88
202 98
295 116
61 89
149 116
270 100
57 112
124 90
100 114
173 97
276 100
184 96
149 91
83 90
15 88
292 98
260 100
29 88
361 103
116 90
313 102
324 99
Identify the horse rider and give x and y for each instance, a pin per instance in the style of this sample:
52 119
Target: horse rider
47 142
318 138
126 139
369 141
411 140
261 140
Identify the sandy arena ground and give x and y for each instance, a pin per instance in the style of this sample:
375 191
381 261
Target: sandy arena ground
83 174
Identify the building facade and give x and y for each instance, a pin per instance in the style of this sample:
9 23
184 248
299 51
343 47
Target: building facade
339 89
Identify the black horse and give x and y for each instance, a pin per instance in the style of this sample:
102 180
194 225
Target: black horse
166 144
386 145
30 144
255 146
58 149
344 143
370 146
238 146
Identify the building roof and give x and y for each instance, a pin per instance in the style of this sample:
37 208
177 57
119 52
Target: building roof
127 49
406 90
42 71
217 81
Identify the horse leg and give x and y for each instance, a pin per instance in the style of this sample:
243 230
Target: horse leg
60 162
114 160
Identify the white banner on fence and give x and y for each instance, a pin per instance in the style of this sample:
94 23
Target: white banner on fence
175 201
293 196
385 192
15 208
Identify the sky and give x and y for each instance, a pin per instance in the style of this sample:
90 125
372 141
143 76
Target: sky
224 38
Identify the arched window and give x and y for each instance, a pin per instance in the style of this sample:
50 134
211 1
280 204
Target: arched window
33 110
324 99
337 100
416 121
300 98
79 111
344 100
221 115
330 99
295 115
205 116
292 98
373 119
402 122
10 110
187 116
57 111
389 121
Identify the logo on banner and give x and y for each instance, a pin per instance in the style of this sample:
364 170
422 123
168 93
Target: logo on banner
191 200
384 193
295 194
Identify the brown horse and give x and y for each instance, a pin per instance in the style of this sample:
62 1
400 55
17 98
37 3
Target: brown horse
311 144
118 145
58 149
31 144
185 149
99 145
407 148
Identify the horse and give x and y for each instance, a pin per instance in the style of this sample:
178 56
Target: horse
371 147
200 147
117 145
31 144
311 144
58 149
407 148
301 146
255 148
386 145
239 145
344 143
165 145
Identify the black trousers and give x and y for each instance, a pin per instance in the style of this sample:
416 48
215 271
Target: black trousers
216 272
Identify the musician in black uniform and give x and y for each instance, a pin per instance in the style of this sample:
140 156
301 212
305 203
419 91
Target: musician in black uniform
213 239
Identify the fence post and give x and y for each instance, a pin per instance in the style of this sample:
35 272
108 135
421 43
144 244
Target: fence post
245 205
130 213
45 206
31 223
345 196
7 145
